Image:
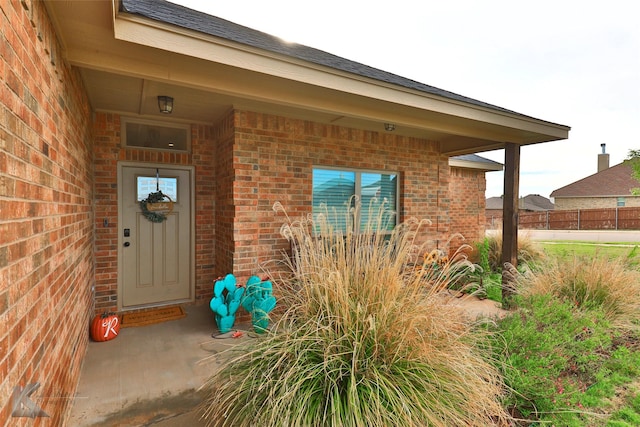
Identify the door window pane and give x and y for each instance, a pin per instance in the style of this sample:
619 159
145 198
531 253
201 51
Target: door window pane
151 184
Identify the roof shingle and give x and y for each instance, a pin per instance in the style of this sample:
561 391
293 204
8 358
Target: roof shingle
531 202
616 181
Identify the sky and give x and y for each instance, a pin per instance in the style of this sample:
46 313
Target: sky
571 62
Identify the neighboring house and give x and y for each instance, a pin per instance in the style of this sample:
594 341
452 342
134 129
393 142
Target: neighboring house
536 202
87 131
609 188
529 203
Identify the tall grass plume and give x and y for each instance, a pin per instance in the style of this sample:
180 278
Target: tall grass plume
528 251
366 339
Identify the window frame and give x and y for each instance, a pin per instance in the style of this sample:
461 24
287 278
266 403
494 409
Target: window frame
124 120
394 205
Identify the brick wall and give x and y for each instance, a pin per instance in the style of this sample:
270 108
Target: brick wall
467 189
225 206
260 159
273 159
108 151
46 219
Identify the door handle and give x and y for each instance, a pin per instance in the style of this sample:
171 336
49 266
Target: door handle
127 244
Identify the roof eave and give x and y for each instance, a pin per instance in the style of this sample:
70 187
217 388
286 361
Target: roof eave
160 35
484 166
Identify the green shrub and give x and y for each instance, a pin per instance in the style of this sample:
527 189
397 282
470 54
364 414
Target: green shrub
493 287
366 340
590 282
482 254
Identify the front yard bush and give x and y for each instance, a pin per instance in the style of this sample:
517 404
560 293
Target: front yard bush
367 340
528 251
590 282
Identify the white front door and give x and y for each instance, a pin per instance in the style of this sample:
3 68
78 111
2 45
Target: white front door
155 258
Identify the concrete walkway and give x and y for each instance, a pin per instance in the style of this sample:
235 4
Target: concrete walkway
148 374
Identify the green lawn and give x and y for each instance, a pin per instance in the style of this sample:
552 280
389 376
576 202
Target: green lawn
564 361
628 251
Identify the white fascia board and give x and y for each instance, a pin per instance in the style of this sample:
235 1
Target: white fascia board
486 166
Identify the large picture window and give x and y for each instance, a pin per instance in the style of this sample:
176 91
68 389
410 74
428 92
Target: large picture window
334 191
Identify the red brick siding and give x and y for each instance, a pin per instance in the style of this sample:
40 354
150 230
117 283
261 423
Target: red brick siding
202 147
108 152
467 189
274 158
225 204
46 219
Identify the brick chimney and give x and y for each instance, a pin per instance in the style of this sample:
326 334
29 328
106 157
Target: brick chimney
603 159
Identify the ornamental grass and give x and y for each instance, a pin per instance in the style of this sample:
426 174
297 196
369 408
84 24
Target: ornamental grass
366 339
589 282
528 251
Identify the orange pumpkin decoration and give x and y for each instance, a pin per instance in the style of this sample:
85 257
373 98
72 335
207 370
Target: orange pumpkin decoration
105 327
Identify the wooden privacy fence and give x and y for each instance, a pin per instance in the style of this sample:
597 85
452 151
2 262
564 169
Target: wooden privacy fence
579 219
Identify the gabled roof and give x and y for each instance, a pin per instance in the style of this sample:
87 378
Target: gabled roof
494 203
531 202
536 202
180 16
616 181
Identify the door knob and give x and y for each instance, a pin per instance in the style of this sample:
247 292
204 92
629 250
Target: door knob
127 244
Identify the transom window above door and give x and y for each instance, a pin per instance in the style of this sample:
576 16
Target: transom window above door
335 192
150 134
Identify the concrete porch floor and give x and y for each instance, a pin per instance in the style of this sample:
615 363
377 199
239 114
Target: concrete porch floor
150 375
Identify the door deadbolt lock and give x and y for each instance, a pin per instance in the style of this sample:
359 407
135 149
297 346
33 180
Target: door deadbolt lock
127 232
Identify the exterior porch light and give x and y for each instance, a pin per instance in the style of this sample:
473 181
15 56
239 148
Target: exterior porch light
389 127
165 104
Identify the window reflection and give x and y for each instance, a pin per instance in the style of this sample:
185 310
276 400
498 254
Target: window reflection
151 184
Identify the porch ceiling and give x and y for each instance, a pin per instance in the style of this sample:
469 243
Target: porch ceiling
126 61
